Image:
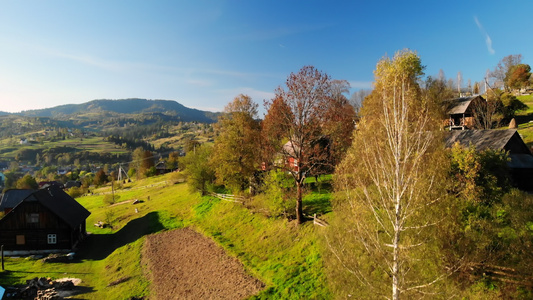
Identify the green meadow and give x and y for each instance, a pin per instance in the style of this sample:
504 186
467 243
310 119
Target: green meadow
286 257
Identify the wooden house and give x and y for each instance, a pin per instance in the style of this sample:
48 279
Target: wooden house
45 221
161 168
460 112
521 159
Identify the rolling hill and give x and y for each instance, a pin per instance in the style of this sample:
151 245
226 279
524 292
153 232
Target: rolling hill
126 106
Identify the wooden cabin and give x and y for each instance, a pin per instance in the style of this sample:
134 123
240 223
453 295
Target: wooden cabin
521 163
460 112
45 221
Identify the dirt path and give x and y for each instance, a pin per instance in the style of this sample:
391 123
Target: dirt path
186 265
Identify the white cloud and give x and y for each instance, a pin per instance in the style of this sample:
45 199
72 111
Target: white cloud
488 40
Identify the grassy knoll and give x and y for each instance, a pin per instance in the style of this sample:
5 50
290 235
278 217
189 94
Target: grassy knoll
523 117
284 256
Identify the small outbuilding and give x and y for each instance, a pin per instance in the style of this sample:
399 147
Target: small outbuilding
44 221
461 112
521 163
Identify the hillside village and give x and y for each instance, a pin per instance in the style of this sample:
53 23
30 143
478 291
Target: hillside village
325 197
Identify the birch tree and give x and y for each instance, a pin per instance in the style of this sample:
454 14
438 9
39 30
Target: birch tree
387 190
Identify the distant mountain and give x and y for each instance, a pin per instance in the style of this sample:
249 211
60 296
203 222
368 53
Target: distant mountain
126 106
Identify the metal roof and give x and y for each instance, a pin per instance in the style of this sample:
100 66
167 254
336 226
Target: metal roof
56 200
12 198
509 139
460 105
482 139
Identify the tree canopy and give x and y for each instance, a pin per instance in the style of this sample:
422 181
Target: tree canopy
387 196
236 155
296 125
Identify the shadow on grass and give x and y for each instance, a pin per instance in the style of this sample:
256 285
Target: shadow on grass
315 203
524 118
99 246
78 290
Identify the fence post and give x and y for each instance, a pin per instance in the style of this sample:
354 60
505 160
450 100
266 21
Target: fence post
2 250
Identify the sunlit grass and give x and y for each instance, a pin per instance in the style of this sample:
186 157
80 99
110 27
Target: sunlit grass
284 256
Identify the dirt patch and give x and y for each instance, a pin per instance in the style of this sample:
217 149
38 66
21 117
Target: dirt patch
186 265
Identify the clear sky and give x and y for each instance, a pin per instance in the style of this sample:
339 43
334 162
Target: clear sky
204 53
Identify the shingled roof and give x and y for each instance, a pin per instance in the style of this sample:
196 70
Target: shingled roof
460 105
482 139
12 198
508 140
59 203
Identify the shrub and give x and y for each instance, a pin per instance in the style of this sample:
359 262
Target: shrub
177 177
110 199
278 197
75 192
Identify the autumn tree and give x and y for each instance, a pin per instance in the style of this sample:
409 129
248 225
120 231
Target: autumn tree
100 178
236 154
172 161
293 126
500 74
142 162
387 195
518 76
27 182
436 90
339 122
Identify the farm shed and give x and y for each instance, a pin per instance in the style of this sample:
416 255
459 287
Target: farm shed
45 221
521 163
461 112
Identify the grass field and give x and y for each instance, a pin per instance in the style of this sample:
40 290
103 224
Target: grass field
525 128
284 256
10 147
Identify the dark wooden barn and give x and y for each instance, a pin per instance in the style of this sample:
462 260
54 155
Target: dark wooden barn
521 163
45 221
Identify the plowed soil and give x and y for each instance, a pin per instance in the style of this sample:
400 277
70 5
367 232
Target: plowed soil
184 264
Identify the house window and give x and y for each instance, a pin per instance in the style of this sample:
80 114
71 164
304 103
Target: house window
52 239
32 218
21 240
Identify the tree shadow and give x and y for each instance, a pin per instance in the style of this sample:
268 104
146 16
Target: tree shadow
77 290
319 204
99 246
522 119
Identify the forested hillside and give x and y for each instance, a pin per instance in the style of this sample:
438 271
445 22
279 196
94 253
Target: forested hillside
173 109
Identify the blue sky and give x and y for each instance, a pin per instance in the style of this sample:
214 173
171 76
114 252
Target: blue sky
204 53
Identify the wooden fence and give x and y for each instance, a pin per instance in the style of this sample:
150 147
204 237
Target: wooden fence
319 222
239 199
230 198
